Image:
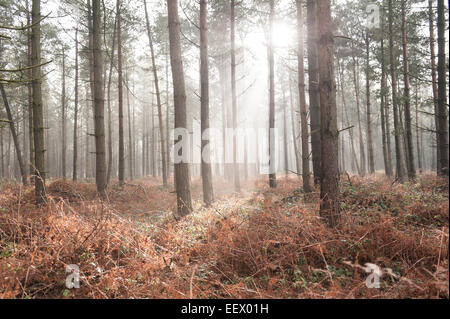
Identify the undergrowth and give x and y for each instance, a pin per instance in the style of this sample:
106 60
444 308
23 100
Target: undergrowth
258 244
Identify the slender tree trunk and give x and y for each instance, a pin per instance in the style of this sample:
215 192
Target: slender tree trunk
30 97
409 139
153 153
294 131
272 167
130 138
442 135
87 165
302 100
110 147
362 155
223 103
182 179
313 85
237 183
285 139
434 79
419 155
75 119
204 89
91 51
385 134
167 115
158 99
368 110
63 116
397 134
99 103
329 187
38 114
120 101
2 154
23 172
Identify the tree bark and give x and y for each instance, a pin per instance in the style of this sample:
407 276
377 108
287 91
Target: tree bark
368 110
204 92
99 103
30 97
294 131
75 119
38 114
63 116
419 153
407 104
110 148
313 85
130 137
385 133
120 101
272 168
237 183
442 135
329 187
302 100
182 178
285 139
434 80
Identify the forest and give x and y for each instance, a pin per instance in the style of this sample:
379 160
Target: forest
224 149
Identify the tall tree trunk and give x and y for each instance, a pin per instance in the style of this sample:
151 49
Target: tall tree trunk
329 186
87 165
63 116
237 183
204 92
313 85
409 139
99 103
130 137
158 99
434 79
152 141
38 114
285 138
120 90
362 155
294 131
2 155
30 96
302 100
23 171
75 119
442 135
368 110
182 179
385 133
91 51
419 155
110 148
397 130
167 115
272 167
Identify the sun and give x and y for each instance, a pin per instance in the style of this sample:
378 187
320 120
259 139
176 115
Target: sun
283 35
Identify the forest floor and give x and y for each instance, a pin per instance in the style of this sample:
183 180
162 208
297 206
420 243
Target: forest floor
260 243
